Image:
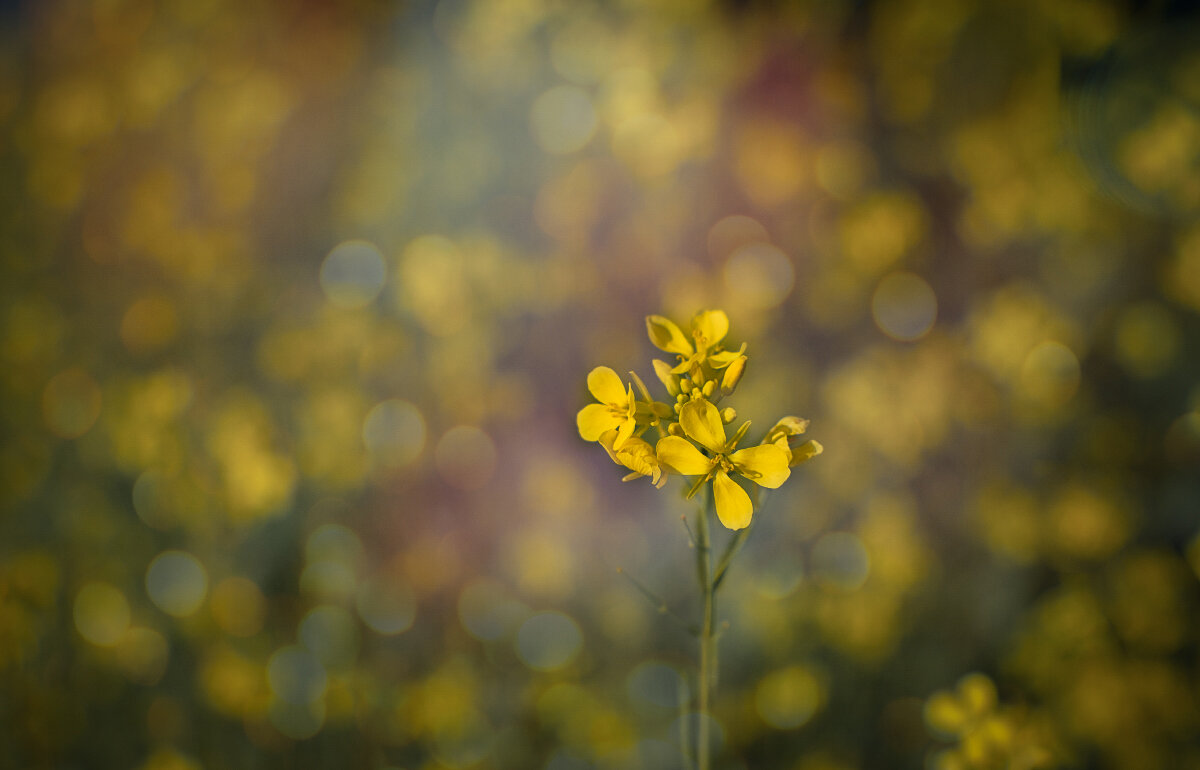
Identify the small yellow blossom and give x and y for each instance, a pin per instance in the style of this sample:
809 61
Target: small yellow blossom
781 433
617 408
636 455
709 328
766 464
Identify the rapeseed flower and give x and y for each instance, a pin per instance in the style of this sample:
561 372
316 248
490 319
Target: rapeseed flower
618 409
766 464
709 328
692 438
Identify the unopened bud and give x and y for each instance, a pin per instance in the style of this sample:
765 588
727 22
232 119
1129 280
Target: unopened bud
709 387
733 375
685 385
728 415
675 429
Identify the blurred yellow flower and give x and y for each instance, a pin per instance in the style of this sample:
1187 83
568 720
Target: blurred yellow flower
765 465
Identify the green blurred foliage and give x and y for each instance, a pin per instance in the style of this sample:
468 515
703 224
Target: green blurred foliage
297 307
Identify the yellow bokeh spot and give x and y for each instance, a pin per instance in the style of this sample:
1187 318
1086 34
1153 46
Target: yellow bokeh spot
758 276
542 564
1085 523
149 324
143 653
1049 375
433 284
101 614
788 698
772 161
1147 339
881 230
904 306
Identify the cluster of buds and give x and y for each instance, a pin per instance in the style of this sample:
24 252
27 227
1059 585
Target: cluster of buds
692 439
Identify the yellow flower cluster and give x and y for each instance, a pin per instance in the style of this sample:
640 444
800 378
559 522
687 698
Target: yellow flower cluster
989 736
692 436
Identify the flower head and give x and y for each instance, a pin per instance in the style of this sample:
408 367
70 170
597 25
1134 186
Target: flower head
692 438
636 455
709 328
618 409
765 464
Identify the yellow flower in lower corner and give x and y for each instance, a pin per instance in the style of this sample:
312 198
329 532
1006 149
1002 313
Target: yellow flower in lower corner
765 465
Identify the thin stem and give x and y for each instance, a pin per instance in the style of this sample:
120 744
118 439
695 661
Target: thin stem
707 648
658 603
731 550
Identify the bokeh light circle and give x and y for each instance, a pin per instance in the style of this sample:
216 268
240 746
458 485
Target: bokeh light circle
101 613
387 606
296 675
758 276
331 633
904 306
353 274
177 583
394 432
1050 374
788 698
548 641
563 119
465 457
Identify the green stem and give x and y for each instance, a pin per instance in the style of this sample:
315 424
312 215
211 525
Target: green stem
708 651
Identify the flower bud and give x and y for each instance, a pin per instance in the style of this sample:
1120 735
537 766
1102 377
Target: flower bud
733 375
708 388
728 415
675 429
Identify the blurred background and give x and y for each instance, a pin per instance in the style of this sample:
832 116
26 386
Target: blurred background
297 307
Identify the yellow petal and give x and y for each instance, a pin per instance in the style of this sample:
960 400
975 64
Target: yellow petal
594 419
806 451
667 336
725 357
702 422
733 375
624 431
734 508
669 380
765 465
711 326
681 456
606 386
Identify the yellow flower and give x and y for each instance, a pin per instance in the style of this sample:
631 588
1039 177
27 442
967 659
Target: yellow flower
709 327
783 430
765 465
617 409
636 455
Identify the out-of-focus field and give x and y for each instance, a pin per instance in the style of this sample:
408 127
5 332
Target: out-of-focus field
299 298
